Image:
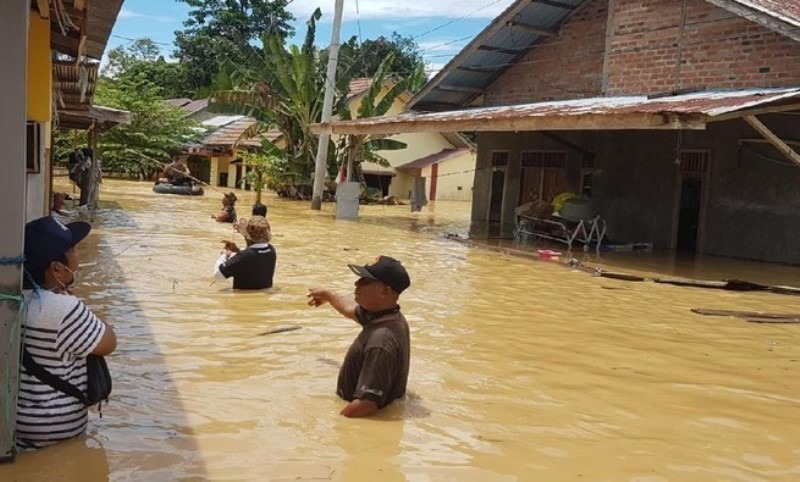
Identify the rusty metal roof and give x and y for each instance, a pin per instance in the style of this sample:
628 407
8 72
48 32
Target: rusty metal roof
227 136
102 118
785 10
782 16
687 111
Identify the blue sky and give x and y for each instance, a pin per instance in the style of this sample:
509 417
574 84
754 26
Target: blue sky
441 28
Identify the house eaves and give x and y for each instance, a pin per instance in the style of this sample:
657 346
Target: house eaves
510 36
687 111
780 16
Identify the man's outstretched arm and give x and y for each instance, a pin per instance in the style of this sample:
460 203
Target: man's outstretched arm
345 305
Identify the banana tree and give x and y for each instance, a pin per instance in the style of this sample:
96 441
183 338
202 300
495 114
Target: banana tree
356 148
283 89
266 166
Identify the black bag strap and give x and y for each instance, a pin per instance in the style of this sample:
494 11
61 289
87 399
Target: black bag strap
48 378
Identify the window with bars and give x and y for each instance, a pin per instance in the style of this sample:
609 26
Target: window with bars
499 158
544 175
695 162
544 159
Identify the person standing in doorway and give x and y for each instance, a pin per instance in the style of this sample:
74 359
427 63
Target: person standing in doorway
375 369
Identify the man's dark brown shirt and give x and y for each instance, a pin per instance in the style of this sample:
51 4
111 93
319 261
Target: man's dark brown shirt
376 365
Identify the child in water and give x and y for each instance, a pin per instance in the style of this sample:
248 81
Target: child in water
228 213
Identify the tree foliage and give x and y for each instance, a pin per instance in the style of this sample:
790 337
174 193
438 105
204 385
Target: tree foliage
283 88
363 60
219 33
143 59
157 130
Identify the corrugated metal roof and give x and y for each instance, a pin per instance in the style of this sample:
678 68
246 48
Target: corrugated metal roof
195 106
510 36
177 102
222 120
228 135
434 158
785 10
604 112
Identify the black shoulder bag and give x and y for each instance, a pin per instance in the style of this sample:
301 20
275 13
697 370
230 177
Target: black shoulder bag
98 380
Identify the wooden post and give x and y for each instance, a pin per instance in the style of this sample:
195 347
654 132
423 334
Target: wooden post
13 97
776 141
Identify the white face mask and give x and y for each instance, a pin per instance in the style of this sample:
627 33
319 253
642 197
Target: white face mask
72 283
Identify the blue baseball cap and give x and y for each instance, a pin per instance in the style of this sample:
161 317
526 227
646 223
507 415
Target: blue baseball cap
46 240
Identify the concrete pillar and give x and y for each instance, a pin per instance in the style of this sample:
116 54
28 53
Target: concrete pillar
13 96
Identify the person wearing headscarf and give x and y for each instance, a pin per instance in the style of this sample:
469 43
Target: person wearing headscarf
252 268
228 212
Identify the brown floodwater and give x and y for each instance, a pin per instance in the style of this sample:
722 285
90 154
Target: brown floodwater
521 370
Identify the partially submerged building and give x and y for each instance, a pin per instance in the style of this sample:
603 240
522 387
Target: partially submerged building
678 119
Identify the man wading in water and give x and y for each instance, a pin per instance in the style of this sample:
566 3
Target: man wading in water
375 369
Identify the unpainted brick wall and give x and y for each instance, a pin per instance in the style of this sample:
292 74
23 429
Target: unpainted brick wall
717 50
565 67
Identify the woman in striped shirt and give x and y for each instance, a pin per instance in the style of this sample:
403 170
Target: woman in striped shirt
60 331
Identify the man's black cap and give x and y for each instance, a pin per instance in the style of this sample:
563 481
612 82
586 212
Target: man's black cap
387 270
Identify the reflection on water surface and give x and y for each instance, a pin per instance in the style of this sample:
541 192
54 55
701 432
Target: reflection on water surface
521 370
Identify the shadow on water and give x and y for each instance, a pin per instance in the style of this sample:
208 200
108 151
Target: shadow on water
139 374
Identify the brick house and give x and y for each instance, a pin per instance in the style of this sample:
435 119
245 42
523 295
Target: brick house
676 117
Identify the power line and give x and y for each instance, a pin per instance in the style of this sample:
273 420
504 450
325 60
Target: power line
451 22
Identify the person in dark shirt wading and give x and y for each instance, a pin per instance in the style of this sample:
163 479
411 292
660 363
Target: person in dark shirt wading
375 369
254 267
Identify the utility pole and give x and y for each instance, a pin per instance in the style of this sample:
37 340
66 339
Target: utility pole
327 105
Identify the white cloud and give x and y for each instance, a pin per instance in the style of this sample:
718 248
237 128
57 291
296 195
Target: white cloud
403 9
127 13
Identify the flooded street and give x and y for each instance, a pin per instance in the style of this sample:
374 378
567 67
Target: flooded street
520 370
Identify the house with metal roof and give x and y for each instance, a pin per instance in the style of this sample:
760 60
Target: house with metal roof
678 120
446 160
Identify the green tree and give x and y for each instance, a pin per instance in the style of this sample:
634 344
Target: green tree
219 33
156 130
363 60
283 89
266 167
143 58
